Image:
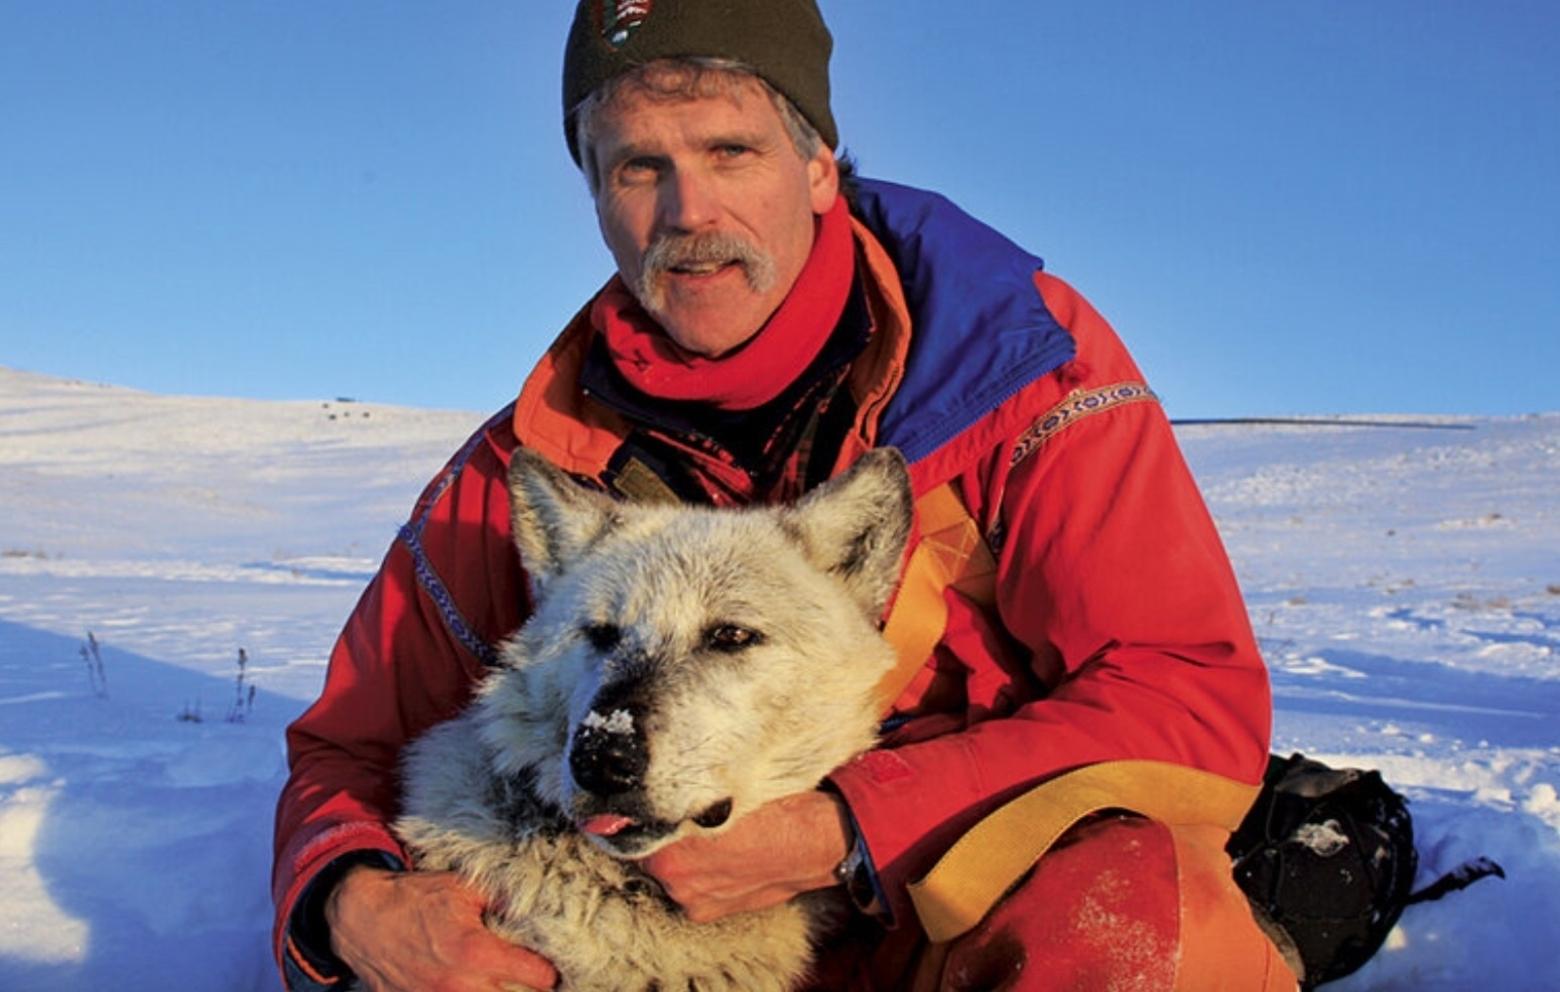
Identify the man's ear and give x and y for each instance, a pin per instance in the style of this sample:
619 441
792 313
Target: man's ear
553 518
823 180
856 525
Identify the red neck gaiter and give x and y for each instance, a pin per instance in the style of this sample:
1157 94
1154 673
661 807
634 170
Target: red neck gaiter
755 372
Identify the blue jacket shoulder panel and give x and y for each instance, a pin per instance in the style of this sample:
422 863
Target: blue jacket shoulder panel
980 331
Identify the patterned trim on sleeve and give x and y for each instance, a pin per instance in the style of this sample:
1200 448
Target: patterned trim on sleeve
1080 403
434 586
427 577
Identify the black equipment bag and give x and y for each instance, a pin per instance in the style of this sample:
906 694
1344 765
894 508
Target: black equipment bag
1326 856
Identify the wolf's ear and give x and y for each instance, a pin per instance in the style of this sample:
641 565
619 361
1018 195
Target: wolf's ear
553 518
855 526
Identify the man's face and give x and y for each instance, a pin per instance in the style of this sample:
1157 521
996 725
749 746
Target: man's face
708 209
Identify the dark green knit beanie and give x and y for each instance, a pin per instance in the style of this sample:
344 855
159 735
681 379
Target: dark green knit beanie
784 41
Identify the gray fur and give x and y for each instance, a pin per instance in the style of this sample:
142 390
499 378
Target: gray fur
740 646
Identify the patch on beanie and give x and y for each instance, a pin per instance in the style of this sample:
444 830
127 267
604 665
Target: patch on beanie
619 18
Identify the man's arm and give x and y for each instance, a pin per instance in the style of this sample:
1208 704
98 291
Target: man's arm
341 794
1112 577
404 662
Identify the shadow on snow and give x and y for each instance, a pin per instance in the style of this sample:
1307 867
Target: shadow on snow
153 835
1505 710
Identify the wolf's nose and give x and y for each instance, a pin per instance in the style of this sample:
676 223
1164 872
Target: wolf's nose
609 756
714 815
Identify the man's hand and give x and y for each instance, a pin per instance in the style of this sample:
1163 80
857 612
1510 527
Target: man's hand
786 847
422 932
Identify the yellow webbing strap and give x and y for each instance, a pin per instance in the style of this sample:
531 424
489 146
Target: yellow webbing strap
991 858
952 552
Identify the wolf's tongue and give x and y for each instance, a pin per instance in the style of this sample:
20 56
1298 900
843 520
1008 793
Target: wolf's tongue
606 824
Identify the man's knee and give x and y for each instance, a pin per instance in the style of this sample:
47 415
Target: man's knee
1121 903
1100 907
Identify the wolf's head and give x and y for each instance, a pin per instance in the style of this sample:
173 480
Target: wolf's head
683 664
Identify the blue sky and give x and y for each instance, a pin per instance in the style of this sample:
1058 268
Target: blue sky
1335 206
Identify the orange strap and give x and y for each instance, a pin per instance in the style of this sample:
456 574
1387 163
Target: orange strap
952 552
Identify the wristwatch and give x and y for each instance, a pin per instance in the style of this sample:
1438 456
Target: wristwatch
856 874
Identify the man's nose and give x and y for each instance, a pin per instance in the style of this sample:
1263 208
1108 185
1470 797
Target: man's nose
689 200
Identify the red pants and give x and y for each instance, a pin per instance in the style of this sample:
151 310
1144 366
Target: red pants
1119 903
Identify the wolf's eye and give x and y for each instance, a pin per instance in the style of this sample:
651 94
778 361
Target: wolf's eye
602 636
731 637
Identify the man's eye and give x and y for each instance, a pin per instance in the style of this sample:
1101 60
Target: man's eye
637 170
732 150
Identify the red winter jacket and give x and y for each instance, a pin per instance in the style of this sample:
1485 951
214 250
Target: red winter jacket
1119 631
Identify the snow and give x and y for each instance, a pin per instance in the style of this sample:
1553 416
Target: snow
1326 838
620 722
1404 583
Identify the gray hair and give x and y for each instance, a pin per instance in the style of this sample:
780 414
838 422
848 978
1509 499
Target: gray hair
683 79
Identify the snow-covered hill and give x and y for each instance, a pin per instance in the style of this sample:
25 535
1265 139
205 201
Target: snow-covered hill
1405 584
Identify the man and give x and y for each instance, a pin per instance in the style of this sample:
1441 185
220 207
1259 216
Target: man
761 332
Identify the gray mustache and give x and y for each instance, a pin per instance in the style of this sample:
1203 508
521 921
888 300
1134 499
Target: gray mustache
669 251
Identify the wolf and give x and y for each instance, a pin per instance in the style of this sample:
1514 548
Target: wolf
682 666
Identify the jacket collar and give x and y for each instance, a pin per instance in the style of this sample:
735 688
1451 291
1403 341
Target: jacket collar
982 333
